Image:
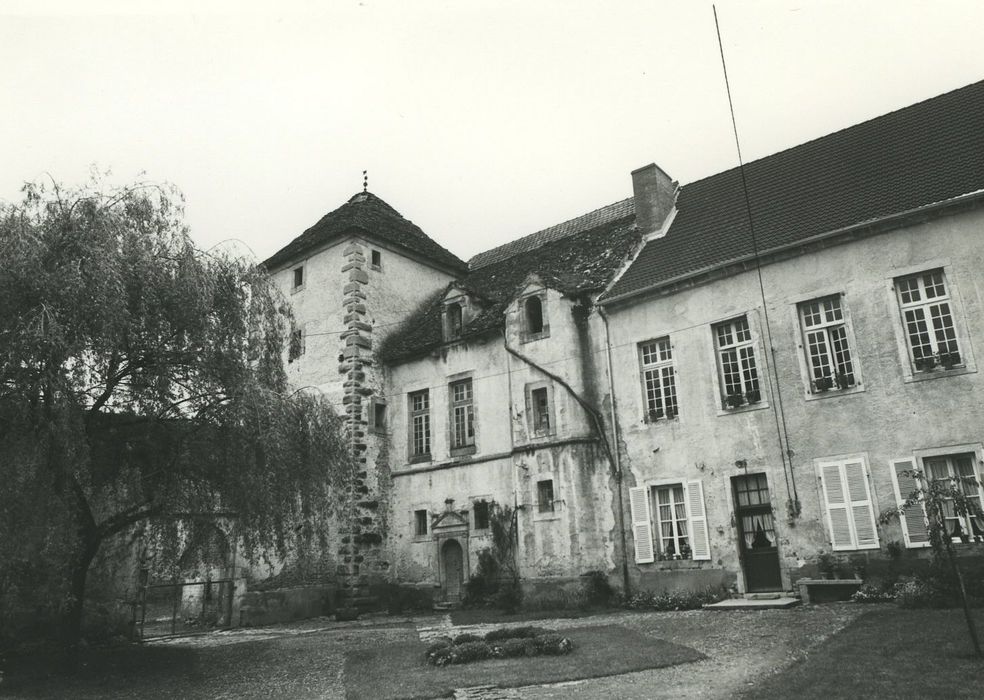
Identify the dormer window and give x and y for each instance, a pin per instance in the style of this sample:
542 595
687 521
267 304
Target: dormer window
453 320
533 318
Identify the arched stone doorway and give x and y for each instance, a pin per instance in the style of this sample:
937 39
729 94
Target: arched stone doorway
454 569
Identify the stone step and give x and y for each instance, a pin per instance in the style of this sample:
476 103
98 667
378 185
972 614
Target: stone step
779 603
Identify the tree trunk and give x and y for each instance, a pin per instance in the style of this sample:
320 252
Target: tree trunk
71 619
963 599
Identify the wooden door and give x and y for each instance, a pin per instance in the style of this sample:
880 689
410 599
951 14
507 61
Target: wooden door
453 569
756 533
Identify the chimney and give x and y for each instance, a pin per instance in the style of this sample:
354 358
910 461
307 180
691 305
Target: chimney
655 194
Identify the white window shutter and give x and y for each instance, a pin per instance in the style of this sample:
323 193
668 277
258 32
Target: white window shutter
913 519
642 530
862 508
700 546
838 517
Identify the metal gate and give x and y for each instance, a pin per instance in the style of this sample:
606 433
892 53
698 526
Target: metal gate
184 608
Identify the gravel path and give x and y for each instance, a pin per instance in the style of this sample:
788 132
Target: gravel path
307 659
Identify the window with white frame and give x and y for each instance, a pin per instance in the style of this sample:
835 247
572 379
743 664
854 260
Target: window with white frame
420 522
658 379
735 346
825 341
539 410
959 470
462 405
927 315
419 424
669 521
850 508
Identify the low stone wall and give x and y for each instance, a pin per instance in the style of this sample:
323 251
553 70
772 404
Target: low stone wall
286 604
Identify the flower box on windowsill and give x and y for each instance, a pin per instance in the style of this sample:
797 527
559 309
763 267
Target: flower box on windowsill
654 416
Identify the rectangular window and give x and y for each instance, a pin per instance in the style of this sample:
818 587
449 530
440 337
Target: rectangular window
298 278
736 363
420 523
927 315
958 472
480 510
850 508
545 496
376 260
658 379
538 410
825 340
377 415
462 415
671 521
675 512
419 423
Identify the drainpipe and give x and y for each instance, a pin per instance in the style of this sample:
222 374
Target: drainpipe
618 460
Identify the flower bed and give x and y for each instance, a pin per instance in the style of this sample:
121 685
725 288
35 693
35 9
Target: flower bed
502 643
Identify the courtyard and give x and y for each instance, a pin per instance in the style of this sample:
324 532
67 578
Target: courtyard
815 651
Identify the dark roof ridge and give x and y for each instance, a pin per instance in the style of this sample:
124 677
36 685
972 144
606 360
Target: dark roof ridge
590 220
828 134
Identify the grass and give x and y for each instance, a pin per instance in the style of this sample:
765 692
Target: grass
480 616
887 653
400 671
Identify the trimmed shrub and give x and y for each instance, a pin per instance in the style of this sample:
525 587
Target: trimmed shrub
596 589
515 633
511 648
470 651
675 600
509 597
442 656
437 645
467 637
553 644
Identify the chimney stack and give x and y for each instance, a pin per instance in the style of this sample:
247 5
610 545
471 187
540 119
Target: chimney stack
655 195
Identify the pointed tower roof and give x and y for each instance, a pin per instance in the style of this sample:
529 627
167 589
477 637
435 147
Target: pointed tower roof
367 215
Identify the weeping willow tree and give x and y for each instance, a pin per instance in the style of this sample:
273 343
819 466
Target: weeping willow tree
142 379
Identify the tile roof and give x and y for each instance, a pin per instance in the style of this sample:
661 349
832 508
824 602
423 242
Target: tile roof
366 214
598 217
923 154
580 261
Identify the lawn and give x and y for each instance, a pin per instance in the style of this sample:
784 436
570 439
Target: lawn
480 616
400 671
887 653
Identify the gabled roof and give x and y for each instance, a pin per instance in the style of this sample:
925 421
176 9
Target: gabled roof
924 154
579 262
366 214
598 217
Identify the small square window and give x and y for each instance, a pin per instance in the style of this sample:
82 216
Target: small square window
377 415
545 496
481 513
420 522
376 260
298 277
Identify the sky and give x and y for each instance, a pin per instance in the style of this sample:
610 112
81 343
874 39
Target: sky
480 121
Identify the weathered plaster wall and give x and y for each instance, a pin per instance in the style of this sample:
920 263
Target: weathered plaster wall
509 458
888 416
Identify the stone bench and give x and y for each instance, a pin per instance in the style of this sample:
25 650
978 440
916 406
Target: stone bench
824 590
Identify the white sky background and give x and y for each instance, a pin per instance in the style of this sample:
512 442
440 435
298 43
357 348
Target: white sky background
479 121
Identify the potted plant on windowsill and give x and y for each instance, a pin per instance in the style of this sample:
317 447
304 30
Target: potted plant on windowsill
949 359
925 364
841 381
822 384
654 415
753 396
734 400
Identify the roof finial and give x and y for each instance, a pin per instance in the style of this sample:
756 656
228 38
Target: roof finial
365 180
